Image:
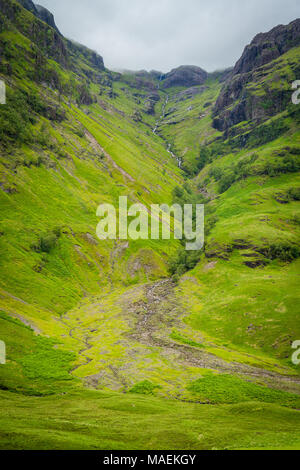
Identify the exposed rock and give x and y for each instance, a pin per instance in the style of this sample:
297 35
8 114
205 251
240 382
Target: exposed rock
190 93
46 16
236 103
154 97
142 80
266 47
59 48
51 45
155 73
29 5
95 60
150 107
150 103
255 263
221 75
186 75
136 116
210 266
40 12
90 239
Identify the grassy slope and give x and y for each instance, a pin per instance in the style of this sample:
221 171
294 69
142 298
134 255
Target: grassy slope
82 293
59 181
252 219
108 420
188 122
112 421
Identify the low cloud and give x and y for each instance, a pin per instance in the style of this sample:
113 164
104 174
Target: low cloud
163 34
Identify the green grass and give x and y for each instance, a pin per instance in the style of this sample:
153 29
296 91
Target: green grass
238 304
144 388
112 421
35 365
252 310
182 339
230 389
189 124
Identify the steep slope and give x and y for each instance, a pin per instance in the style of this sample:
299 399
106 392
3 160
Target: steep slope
40 12
266 47
72 146
67 145
249 179
260 84
146 317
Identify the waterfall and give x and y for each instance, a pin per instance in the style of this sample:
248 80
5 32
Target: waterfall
158 122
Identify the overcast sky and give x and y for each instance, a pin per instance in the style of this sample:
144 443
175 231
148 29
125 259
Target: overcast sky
163 34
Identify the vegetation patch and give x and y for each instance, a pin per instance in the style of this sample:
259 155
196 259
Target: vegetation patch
223 388
182 339
144 388
47 362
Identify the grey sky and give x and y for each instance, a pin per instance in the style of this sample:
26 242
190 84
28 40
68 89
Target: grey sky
163 34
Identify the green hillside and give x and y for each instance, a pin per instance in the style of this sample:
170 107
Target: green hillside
191 350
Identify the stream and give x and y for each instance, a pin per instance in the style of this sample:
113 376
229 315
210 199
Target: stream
163 115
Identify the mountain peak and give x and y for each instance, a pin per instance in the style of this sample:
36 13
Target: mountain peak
40 12
185 75
266 47
29 5
46 16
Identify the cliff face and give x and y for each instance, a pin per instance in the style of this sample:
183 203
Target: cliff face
46 16
266 47
40 12
29 5
51 42
246 96
47 40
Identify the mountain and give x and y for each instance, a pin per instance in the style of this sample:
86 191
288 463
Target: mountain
46 16
29 5
186 76
254 94
267 47
40 12
111 338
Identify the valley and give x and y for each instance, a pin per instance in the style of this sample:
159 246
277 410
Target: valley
140 344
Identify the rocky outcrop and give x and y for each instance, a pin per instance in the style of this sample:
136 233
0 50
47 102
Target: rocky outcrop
190 93
237 102
266 47
46 16
48 41
150 102
92 58
40 12
225 115
142 80
29 5
221 75
186 75
53 45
